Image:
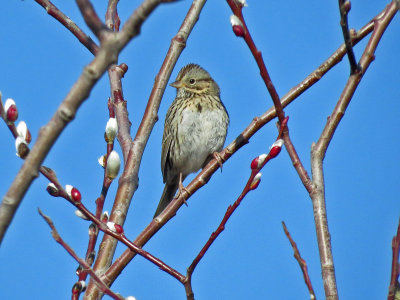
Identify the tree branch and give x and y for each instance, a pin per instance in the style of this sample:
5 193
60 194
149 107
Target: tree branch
53 11
344 8
318 152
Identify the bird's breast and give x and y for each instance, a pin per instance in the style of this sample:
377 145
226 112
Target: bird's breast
202 131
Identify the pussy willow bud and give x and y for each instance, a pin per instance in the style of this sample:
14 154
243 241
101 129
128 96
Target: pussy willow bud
115 227
23 132
113 165
22 147
52 190
104 217
275 149
11 110
102 160
76 195
241 3
80 214
256 181
111 130
237 26
258 161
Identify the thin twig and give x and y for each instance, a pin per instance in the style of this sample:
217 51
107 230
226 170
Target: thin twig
344 8
53 11
252 183
91 18
237 11
301 261
82 262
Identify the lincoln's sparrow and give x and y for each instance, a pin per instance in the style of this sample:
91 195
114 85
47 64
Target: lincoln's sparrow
195 128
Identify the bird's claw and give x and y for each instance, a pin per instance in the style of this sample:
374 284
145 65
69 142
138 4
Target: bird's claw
219 159
182 189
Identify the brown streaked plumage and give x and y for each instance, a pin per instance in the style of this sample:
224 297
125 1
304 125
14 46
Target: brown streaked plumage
195 127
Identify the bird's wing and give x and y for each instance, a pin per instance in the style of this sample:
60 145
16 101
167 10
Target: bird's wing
165 155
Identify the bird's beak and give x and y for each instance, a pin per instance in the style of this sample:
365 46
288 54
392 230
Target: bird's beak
176 84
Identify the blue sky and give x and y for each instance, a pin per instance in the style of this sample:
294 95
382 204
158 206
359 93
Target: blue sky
40 60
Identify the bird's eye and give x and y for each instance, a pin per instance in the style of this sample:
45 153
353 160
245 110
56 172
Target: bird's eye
192 81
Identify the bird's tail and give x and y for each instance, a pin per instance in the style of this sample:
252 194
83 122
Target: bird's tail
167 196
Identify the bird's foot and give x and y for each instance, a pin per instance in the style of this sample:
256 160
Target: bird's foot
219 159
182 189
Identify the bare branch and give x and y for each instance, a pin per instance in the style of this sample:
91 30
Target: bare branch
91 18
344 8
237 10
301 261
53 11
82 262
252 183
318 152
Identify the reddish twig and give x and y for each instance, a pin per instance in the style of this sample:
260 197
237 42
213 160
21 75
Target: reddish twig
301 261
394 276
53 11
243 31
344 8
91 18
110 228
236 8
101 284
252 183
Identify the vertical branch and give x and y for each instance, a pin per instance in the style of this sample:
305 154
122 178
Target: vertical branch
344 8
319 149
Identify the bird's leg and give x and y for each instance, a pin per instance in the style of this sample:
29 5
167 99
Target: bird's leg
219 159
182 188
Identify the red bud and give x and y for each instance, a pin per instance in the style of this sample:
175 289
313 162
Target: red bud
275 151
238 30
76 195
118 228
12 113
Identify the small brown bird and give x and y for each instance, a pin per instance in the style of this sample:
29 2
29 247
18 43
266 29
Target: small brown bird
195 128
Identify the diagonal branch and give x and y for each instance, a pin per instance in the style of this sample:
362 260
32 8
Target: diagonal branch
91 18
301 261
53 11
236 8
81 262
